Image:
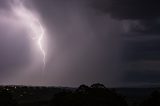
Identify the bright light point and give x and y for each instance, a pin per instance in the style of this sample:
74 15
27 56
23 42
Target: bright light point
32 22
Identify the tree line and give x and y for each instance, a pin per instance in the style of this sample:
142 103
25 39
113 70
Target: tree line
94 95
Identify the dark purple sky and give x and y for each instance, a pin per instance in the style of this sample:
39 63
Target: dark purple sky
107 41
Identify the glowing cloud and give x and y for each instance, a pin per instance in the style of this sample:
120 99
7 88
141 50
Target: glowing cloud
32 21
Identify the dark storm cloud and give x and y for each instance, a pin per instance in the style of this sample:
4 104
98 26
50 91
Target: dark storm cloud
142 50
145 12
142 38
142 58
130 9
147 27
139 76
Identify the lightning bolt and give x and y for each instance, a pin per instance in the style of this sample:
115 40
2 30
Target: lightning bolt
40 44
31 20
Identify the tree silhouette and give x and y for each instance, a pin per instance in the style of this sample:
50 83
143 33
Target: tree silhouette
98 86
96 95
83 88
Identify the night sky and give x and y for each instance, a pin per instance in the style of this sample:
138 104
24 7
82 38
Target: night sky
114 42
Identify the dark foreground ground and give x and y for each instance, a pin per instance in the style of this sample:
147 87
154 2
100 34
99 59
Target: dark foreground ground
95 95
